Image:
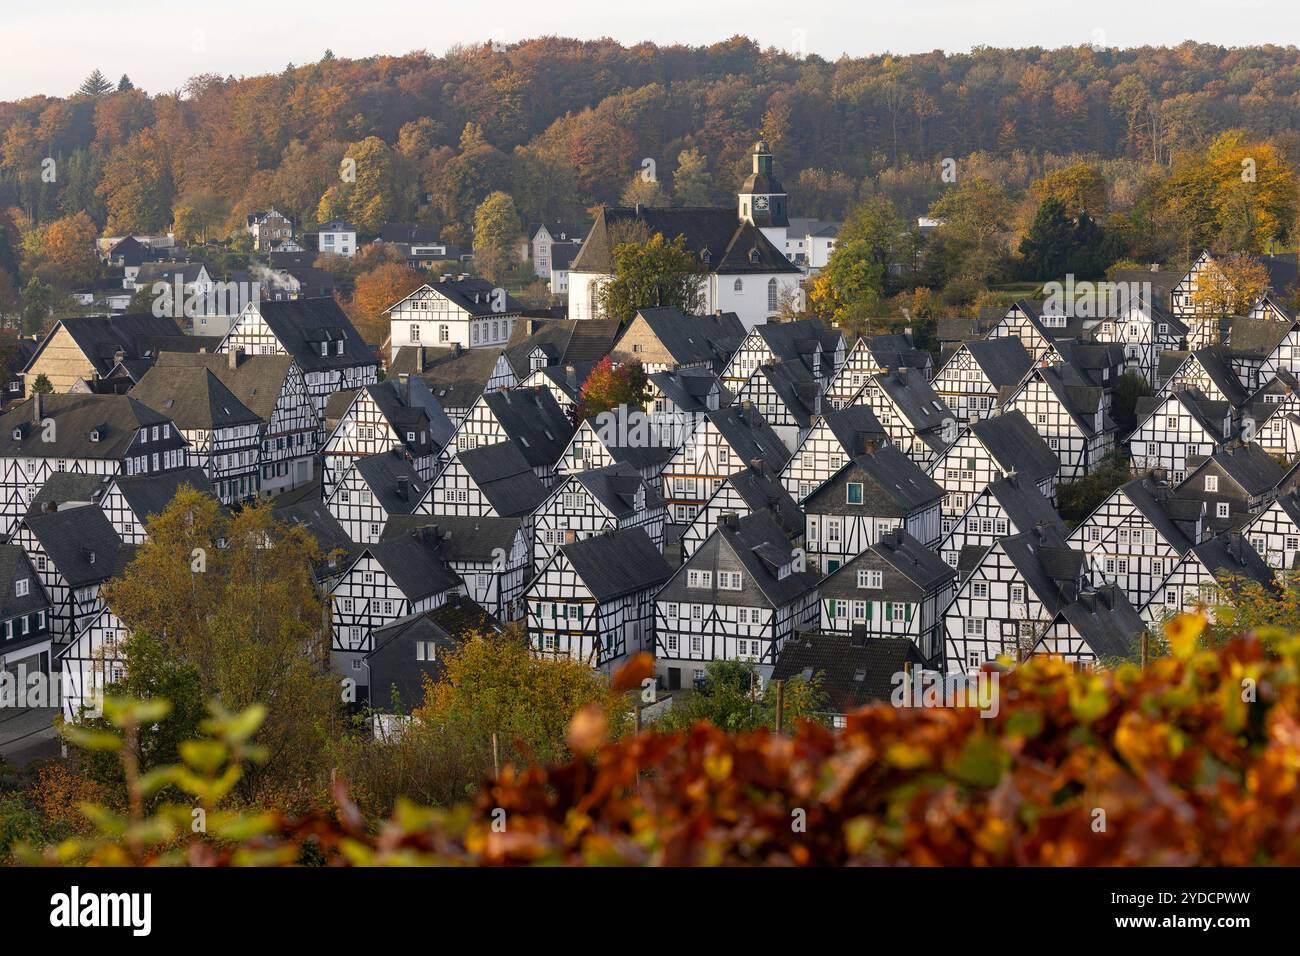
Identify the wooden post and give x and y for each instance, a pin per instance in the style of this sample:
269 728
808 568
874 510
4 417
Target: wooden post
496 757
780 704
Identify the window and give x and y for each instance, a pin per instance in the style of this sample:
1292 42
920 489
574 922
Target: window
699 579
738 286
871 579
425 651
1017 594
670 609
21 587
771 295
729 580
855 493
672 643
1211 482
974 627
1221 509
415 332
980 589
697 643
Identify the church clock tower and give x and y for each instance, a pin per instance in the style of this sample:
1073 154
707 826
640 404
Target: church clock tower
763 200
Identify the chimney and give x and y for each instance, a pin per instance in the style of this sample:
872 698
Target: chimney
419 360
38 407
118 357
403 483
571 376
234 357
756 465
729 520
428 534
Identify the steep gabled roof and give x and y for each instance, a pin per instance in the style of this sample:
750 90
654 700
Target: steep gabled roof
460 538
893 485
113 418
716 238
255 380
15 567
1250 466
302 325
761 489
854 672
505 478
414 565
1024 504
81 543
1004 361
101 337
1105 621
148 495
616 487
695 339
396 485
749 435
856 428
534 421
911 564
1016 445
757 547
192 397
617 563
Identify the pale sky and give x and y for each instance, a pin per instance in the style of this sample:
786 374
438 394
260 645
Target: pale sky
49 47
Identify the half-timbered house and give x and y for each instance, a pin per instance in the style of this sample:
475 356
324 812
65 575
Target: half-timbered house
1221 563
492 556
834 438
753 488
1145 331
896 588
1039 328
74 552
788 398
25 645
89 350
1173 428
1070 414
532 420
979 374
593 600
870 496
1009 599
224 435
372 489
1208 369
494 481
456 377
86 434
820 348
1101 627
1006 506
739 597
588 503
92 660
386 581
273 388
873 355
625 436
129 501
989 449
316 334
919 424
1236 482
721 442
1274 533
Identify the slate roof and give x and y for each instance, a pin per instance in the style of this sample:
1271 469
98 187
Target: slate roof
505 478
14 567
192 397
1246 463
800 339
1209 414
795 386
854 672
1047 563
617 563
893 485
82 545
413 564
1255 338
1154 501
534 421
1080 400
1024 504
754 545
460 538
857 429
455 376
1005 361
76 415
1162 282
695 339
732 246
385 473
149 495
256 380
101 337
1229 555
896 350
761 489
151 272
912 570
616 486
917 401
749 435
476 296
688 388
301 325
1105 621
565 342
392 663
311 514
68 487
1015 444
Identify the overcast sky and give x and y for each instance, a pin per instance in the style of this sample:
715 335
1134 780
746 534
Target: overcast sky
49 47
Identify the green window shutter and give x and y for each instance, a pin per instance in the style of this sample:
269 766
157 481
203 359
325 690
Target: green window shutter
909 612
889 611
870 605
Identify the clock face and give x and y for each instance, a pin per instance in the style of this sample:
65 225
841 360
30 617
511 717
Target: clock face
760 202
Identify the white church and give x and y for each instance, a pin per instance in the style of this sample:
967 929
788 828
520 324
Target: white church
741 254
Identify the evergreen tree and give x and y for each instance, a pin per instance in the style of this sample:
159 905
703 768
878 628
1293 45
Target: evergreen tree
124 84
1048 247
94 85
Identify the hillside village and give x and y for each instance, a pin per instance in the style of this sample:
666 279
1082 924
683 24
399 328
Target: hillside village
790 496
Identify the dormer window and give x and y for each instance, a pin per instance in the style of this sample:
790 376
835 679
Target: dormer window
18 434
339 350
94 434
325 348
738 286
705 255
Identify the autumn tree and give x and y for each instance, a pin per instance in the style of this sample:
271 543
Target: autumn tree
649 273
242 609
70 257
368 196
1080 187
607 388
493 689
496 235
376 290
1230 285
853 285
692 183
197 214
137 186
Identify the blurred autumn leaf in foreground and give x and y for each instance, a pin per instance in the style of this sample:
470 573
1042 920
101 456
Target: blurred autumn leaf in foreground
1192 761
